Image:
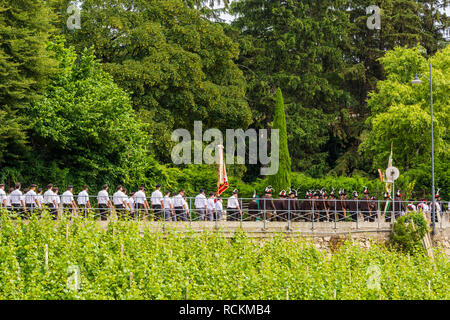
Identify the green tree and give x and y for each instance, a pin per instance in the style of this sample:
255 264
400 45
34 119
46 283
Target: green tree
282 179
25 66
177 65
401 111
84 130
402 24
295 45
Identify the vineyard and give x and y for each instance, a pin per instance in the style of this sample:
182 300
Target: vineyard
45 259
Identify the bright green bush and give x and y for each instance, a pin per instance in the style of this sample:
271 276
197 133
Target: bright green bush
408 236
124 262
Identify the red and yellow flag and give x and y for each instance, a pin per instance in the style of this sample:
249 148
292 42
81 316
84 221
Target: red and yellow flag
222 184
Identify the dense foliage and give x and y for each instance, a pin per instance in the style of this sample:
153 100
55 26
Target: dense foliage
101 108
408 232
401 110
41 260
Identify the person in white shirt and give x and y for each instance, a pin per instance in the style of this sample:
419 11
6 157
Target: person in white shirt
50 201
17 200
40 199
411 207
125 201
24 213
179 207
31 200
68 201
2 196
119 201
169 213
141 202
200 205
131 205
156 202
233 208
211 206
219 209
103 203
56 197
186 208
8 200
83 201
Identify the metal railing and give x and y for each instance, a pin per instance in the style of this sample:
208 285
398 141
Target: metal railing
264 210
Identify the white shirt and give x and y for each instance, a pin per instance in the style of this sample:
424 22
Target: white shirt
83 198
167 202
423 206
40 200
411 207
178 201
139 197
200 201
156 197
2 196
67 197
233 202
8 200
131 203
118 198
185 205
210 204
15 196
103 197
57 198
48 196
219 206
30 197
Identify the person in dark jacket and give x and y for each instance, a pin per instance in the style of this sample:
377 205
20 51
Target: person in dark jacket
341 206
253 208
281 206
397 206
364 206
293 205
305 209
353 207
267 205
322 206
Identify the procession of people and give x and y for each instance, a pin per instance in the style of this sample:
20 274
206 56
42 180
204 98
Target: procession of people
317 206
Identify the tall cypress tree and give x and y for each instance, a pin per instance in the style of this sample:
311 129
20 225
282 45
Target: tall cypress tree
282 179
25 66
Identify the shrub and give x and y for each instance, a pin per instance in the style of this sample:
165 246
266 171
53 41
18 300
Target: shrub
407 236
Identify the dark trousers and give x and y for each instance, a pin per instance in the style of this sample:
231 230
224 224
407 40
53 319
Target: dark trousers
180 214
157 211
119 210
340 216
168 215
52 210
200 213
232 214
140 212
103 211
17 209
83 210
67 208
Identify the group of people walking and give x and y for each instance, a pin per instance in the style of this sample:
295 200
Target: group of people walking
317 206
322 207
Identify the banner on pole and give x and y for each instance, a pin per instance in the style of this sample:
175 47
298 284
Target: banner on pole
222 183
